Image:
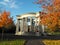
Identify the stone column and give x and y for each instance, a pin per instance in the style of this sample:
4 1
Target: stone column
35 25
22 24
26 24
21 27
17 27
42 28
31 23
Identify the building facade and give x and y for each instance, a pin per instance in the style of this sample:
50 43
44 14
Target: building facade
28 24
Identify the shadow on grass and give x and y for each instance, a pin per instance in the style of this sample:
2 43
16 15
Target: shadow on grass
14 37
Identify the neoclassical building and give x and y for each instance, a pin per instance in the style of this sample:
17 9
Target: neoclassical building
29 23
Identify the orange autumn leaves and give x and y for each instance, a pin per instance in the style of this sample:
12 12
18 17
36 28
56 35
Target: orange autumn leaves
50 5
56 2
52 18
5 19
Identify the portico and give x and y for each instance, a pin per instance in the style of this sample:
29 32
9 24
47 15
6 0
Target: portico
28 23
25 23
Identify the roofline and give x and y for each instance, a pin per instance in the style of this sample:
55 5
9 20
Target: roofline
26 13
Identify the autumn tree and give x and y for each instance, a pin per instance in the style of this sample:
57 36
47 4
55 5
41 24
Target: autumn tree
52 18
6 21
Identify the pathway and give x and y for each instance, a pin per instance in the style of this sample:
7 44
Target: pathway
34 42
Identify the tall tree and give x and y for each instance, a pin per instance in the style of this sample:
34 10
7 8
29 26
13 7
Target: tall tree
52 18
5 20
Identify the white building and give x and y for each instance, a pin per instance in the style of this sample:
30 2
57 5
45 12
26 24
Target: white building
29 22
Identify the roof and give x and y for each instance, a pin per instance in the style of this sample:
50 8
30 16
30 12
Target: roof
26 13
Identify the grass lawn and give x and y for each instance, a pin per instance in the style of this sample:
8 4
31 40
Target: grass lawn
51 42
13 42
56 33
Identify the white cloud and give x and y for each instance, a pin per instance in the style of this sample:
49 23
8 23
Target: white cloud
6 0
14 5
9 3
3 3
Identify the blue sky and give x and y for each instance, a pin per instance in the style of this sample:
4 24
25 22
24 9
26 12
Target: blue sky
18 7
